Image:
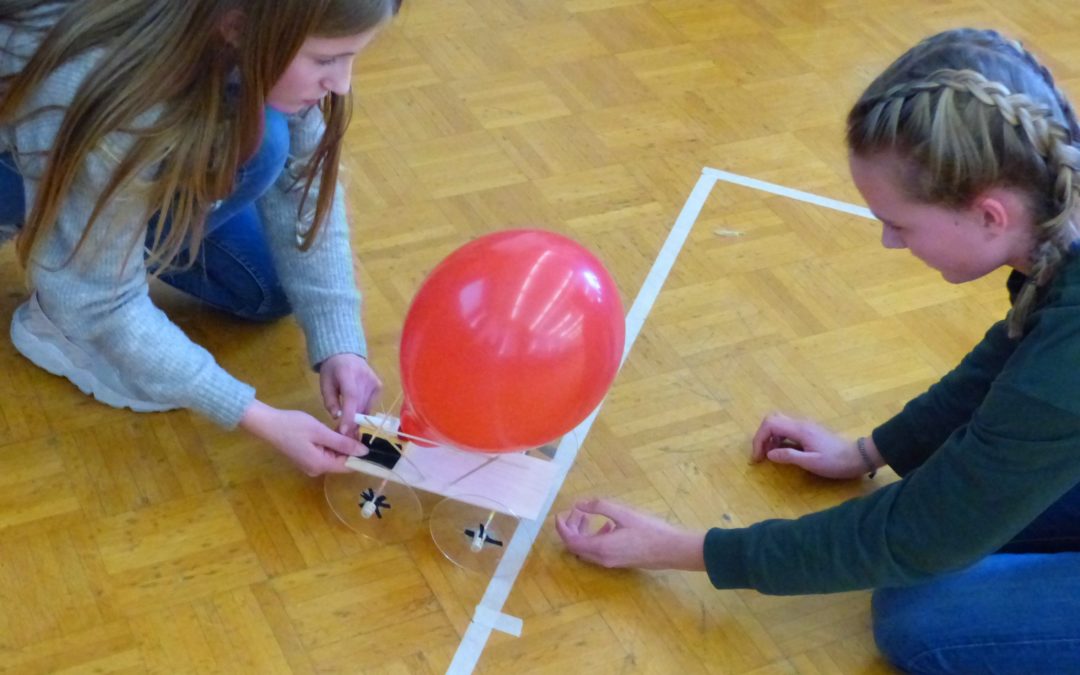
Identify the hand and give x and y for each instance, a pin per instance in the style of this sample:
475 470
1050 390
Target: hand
309 443
630 538
810 446
349 386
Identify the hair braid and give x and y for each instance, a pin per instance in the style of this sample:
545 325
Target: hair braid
1053 141
963 152
1044 73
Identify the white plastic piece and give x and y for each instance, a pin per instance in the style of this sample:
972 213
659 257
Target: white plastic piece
368 510
382 422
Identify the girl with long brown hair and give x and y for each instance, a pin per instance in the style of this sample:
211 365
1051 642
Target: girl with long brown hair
197 141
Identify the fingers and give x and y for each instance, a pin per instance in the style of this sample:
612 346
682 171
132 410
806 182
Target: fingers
346 424
322 461
577 541
335 463
339 443
768 436
328 388
358 396
800 458
374 388
777 430
567 532
348 386
562 528
760 444
616 511
345 384
576 522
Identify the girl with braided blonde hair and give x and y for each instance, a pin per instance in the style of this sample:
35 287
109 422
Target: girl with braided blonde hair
196 141
968 153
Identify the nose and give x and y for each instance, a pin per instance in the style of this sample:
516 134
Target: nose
340 81
890 238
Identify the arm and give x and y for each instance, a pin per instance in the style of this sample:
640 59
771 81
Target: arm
320 282
629 538
905 441
100 300
985 484
987 481
993 475
990 478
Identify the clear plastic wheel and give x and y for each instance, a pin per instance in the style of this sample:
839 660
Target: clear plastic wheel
472 531
377 505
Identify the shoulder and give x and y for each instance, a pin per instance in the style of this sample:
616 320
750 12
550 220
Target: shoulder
1060 302
1046 362
32 133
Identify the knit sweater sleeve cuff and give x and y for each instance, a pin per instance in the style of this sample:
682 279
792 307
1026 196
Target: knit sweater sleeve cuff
891 439
221 398
725 560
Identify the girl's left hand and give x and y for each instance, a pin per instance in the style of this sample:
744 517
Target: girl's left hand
349 386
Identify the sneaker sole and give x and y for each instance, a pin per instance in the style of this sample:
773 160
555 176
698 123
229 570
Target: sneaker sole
50 358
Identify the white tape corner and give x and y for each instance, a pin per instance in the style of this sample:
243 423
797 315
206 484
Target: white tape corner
489 618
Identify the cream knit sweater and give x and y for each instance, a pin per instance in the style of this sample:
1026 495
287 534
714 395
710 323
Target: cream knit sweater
100 299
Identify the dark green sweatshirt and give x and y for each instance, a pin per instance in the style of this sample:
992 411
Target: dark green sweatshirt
981 454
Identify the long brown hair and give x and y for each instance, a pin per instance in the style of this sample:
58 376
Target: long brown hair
969 110
169 62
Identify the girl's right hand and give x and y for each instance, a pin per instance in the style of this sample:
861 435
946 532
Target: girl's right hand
810 446
311 445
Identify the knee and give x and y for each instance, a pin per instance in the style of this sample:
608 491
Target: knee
272 306
903 628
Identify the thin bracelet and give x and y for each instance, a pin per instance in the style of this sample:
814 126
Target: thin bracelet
861 445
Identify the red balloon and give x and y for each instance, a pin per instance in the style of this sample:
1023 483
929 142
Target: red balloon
511 341
415 429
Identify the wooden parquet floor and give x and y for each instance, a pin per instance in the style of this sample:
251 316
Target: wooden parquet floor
159 543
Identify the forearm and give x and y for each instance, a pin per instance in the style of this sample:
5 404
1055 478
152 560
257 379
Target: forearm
257 419
320 282
112 318
869 453
684 550
992 478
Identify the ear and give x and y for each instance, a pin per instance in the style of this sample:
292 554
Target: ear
999 210
232 26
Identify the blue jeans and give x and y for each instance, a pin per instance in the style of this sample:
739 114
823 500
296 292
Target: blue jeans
1017 611
234 270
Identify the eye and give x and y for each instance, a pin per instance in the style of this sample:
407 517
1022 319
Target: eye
326 62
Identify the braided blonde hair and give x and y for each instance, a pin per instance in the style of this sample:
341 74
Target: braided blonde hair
970 110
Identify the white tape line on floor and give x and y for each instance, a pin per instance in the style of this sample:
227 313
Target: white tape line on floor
477 634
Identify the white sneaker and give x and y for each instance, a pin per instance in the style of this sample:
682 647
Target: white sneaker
38 339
